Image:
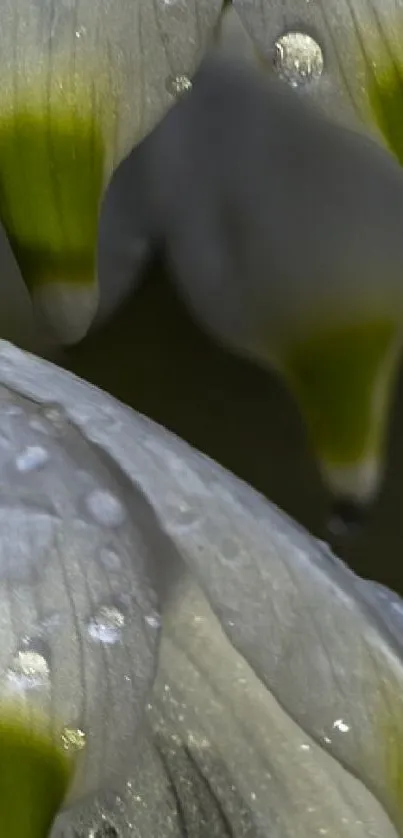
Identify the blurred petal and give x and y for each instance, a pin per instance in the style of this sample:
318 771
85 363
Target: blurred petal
82 83
284 236
125 233
308 627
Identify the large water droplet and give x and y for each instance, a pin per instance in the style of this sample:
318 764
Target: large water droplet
31 458
177 86
28 670
298 58
105 508
107 624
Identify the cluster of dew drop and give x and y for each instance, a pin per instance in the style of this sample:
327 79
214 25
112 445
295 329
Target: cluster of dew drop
297 59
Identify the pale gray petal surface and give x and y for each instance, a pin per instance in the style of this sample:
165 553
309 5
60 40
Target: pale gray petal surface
309 629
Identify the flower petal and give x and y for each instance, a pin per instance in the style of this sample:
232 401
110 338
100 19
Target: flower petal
82 83
300 619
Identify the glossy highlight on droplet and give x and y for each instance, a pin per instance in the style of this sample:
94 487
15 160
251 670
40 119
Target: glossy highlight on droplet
177 86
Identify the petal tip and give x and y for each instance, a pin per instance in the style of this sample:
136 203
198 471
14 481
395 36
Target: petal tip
67 310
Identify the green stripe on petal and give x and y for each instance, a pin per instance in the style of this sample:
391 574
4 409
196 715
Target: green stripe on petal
34 778
51 180
385 91
342 380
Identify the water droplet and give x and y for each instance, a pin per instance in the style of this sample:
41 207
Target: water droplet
229 550
182 515
73 739
110 560
105 508
107 624
33 457
298 59
177 86
55 415
28 670
340 724
153 620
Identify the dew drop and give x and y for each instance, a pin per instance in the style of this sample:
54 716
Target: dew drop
28 670
298 59
182 516
55 415
177 86
105 508
153 620
110 560
107 624
340 724
73 739
31 458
